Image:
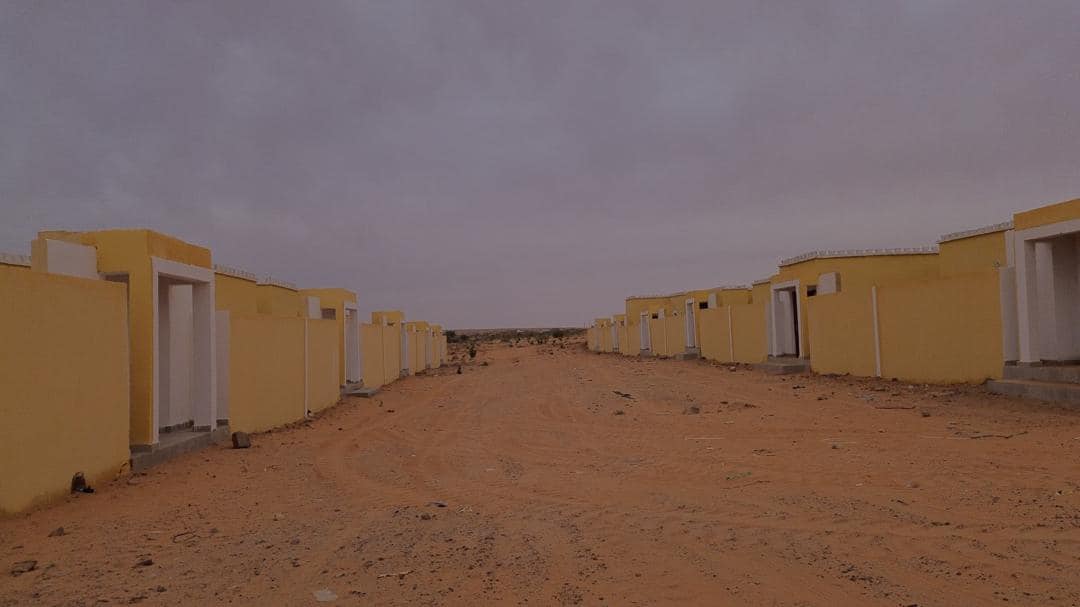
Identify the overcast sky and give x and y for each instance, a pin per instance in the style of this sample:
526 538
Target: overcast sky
526 163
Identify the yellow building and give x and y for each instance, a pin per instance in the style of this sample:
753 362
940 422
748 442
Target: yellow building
821 304
340 306
602 337
667 325
981 304
170 290
384 344
418 349
439 341
280 298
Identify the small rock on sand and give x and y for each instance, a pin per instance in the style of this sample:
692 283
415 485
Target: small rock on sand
23 567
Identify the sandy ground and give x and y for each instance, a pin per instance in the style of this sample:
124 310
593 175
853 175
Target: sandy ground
558 491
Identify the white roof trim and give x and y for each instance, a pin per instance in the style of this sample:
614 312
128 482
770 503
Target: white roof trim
654 296
235 272
997 227
271 281
14 259
857 253
763 281
687 293
730 288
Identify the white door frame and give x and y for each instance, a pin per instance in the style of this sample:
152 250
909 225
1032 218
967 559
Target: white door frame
646 333
774 342
353 354
1027 245
690 324
204 365
427 349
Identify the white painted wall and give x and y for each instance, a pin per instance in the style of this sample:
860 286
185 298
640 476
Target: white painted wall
428 349
201 405
690 323
828 283
314 307
178 404
646 336
352 345
1065 293
71 259
221 346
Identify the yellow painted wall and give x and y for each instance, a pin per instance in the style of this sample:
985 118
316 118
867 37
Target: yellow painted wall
237 295
1055 213
748 327
415 331
657 336
392 352
130 252
602 335
714 332
746 335
842 332
675 331
436 345
389 316
713 327
266 372
324 386
371 346
634 307
336 299
281 302
633 336
726 297
64 373
975 254
942 331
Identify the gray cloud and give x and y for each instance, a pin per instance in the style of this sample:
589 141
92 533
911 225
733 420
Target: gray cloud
517 163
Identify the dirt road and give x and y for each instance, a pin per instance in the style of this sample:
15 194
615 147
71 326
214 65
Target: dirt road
564 477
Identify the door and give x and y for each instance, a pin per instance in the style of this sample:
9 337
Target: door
691 325
352 346
786 323
646 338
